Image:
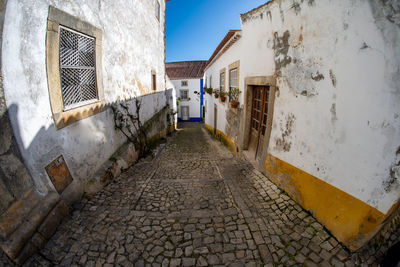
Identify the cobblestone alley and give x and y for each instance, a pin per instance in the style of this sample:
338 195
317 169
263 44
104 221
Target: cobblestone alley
194 205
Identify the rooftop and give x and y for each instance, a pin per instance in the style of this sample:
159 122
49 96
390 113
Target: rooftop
185 69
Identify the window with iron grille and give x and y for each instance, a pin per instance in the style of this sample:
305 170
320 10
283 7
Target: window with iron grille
77 68
184 83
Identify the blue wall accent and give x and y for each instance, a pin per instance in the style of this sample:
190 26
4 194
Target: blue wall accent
191 119
201 98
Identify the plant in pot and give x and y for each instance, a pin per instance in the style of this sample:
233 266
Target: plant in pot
208 90
216 93
222 96
234 97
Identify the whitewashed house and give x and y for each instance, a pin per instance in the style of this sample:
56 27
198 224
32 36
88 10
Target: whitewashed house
319 110
63 65
187 77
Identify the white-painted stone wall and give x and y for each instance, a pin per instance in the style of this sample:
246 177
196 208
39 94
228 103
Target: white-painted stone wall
132 47
194 102
346 128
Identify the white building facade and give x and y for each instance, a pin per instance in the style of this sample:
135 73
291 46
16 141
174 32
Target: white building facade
187 78
319 108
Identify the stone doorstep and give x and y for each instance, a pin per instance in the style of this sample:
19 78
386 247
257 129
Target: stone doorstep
17 212
16 241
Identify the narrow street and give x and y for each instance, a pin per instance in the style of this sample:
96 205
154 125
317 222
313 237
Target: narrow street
192 205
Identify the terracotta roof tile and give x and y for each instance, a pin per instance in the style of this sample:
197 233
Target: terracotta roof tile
185 69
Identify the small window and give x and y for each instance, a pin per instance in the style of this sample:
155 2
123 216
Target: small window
184 83
210 81
222 81
157 10
77 68
154 82
233 79
184 94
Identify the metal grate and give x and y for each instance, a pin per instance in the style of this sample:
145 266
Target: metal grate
77 68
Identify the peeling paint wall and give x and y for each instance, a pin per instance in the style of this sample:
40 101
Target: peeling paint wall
338 74
132 48
336 111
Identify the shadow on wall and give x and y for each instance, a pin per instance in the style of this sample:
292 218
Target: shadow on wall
34 201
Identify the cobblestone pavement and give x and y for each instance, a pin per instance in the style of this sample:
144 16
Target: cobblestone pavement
194 205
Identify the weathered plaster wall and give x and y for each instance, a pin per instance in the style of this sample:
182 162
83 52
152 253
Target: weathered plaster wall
14 178
194 102
171 96
132 47
334 144
336 112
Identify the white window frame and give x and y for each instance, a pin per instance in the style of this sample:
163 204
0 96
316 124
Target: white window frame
187 94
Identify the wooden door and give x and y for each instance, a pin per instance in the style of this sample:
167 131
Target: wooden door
259 115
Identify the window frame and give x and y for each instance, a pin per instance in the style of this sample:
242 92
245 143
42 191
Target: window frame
187 94
64 116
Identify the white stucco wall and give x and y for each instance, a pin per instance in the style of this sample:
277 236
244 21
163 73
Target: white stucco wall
194 102
171 94
346 125
132 46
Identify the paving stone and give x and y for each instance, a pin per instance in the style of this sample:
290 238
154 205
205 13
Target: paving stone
188 262
194 204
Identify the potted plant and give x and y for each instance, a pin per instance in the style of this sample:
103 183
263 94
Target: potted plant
234 97
222 96
208 90
216 93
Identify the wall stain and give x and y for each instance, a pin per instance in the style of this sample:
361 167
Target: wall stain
333 78
394 174
281 49
296 7
317 77
364 46
283 143
333 113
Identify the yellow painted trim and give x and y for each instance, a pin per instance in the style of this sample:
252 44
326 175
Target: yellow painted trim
223 138
350 220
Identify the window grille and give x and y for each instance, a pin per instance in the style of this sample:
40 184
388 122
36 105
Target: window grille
222 81
184 83
77 68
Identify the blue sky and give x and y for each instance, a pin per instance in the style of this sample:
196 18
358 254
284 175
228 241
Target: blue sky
194 28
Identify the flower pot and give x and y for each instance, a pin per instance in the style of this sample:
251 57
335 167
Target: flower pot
234 104
216 96
223 98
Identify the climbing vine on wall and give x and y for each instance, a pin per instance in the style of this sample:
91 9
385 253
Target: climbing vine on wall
130 125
